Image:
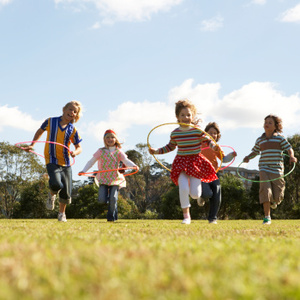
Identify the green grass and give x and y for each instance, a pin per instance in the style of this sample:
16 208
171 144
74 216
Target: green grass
149 259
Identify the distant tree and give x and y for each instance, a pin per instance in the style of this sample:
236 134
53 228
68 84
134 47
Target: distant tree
170 204
290 206
233 196
85 203
252 208
147 186
17 170
32 204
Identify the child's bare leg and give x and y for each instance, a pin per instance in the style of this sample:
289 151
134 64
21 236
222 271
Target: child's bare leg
186 212
267 209
62 207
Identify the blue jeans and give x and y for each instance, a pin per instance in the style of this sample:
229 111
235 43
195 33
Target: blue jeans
109 194
212 190
60 180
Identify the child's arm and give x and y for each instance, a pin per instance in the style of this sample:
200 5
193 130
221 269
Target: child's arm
36 137
292 157
250 156
77 150
229 157
152 151
88 165
128 163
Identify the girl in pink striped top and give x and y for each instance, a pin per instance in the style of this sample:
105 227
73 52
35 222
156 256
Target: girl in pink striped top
189 166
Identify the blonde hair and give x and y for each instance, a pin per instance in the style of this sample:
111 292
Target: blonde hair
179 105
78 105
110 132
216 127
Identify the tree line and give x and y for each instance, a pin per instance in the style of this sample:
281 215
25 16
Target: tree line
150 194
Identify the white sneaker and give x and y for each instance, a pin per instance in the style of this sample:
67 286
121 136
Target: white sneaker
50 201
62 217
213 222
186 221
266 221
201 201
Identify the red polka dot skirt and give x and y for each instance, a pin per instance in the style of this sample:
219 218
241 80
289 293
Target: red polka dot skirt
193 165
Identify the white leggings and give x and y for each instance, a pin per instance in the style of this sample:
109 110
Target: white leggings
188 185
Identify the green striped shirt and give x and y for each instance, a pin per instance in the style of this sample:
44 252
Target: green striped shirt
271 152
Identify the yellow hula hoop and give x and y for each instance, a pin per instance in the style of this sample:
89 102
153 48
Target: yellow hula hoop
191 125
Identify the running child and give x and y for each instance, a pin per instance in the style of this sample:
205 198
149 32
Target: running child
270 145
110 182
212 190
189 166
60 130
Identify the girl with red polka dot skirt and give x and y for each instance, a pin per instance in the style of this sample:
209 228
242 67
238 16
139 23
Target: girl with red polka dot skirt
189 166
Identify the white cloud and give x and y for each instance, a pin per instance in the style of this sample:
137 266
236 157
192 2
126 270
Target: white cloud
5 2
242 108
291 15
13 117
96 26
130 114
259 2
245 107
123 10
212 24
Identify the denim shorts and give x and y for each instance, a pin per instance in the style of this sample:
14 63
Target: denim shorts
60 182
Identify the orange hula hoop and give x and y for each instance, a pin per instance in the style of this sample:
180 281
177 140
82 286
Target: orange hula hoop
92 174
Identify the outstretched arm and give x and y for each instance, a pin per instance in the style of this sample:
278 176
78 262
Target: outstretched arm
88 165
229 157
36 137
250 156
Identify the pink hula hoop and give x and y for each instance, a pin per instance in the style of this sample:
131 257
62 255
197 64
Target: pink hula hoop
45 142
91 174
230 162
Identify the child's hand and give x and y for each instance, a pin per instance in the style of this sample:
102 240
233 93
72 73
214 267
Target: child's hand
293 159
246 159
27 148
234 154
152 151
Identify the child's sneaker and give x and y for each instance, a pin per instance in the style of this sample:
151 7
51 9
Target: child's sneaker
62 217
186 221
50 201
201 201
213 222
267 221
273 205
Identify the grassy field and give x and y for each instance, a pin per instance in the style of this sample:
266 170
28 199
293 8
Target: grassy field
149 259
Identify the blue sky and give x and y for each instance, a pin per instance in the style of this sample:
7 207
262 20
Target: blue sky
129 61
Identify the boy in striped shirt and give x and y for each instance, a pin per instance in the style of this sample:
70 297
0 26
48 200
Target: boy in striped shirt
270 145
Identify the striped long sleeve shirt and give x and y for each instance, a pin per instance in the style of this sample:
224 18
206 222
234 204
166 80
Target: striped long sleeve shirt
271 152
188 142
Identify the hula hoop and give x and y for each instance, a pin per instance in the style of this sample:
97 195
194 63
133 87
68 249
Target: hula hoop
294 165
91 174
45 142
220 169
184 124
